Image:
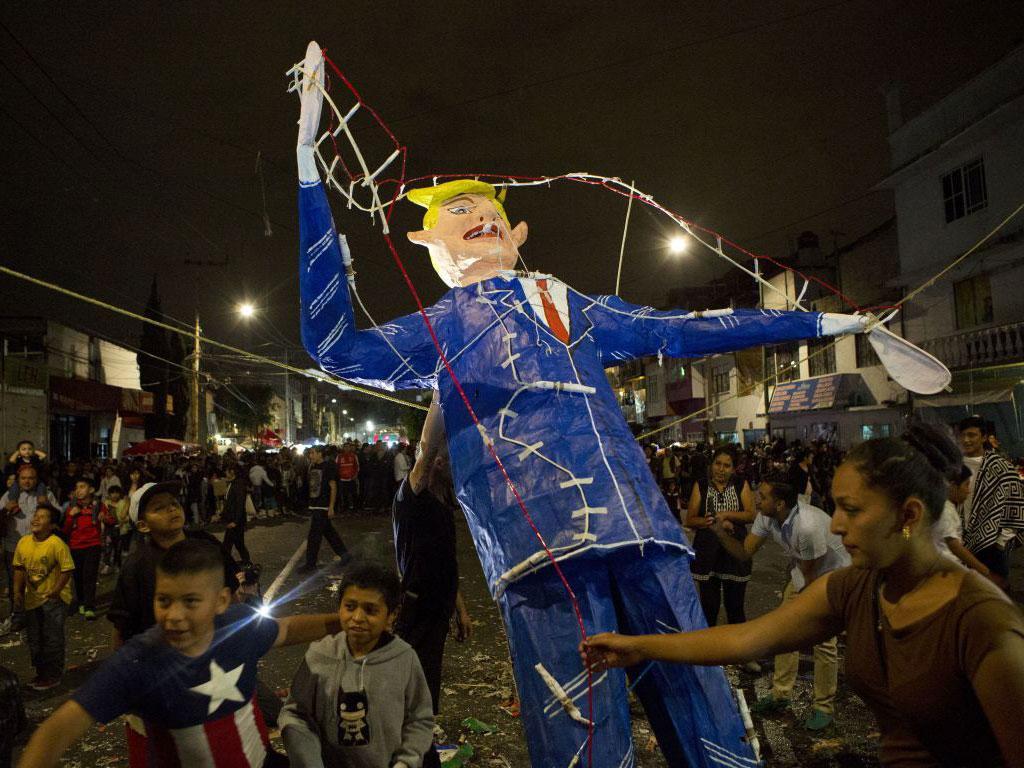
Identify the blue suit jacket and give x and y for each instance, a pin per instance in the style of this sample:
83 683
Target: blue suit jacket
546 405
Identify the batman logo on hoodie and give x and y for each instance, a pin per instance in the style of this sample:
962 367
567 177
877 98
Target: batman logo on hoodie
353 726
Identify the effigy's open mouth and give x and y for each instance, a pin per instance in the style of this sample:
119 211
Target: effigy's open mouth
490 230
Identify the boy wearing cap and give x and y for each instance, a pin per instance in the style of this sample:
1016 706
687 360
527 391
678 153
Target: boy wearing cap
158 517
191 679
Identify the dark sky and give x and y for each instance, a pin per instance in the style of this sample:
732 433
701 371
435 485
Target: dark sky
132 152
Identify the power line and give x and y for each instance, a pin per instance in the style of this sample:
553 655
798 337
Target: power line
212 342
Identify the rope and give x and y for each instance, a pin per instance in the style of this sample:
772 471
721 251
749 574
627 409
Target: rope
930 282
205 339
622 247
874 321
385 219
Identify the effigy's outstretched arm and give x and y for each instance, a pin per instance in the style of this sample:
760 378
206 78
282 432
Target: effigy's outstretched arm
398 355
625 331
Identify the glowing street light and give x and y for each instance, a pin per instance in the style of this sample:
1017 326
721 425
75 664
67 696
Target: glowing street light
246 310
334 400
678 244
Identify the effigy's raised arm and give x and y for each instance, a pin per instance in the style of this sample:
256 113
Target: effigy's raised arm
398 355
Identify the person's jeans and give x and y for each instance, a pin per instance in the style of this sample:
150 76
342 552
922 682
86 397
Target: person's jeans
8 558
826 669
234 538
348 495
714 591
87 571
256 492
320 527
44 630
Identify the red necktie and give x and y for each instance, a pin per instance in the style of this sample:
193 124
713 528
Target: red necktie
551 313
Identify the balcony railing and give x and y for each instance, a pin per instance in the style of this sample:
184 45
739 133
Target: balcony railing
985 346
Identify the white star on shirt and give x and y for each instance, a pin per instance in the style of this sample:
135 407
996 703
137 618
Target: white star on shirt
222 686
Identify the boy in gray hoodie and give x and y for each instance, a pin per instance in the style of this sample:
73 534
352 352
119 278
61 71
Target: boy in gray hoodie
359 698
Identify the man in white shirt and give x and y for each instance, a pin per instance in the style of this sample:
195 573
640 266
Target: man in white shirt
258 477
804 533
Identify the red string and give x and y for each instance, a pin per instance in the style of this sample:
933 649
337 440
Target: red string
643 199
469 407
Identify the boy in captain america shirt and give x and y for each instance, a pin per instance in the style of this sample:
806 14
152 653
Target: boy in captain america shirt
191 678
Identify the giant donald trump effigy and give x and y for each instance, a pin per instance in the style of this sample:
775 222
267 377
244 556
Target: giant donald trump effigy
571 529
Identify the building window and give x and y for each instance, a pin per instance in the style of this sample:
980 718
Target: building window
872 431
963 190
720 381
866 356
783 362
821 356
973 298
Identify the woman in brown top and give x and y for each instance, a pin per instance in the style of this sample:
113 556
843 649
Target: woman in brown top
934 649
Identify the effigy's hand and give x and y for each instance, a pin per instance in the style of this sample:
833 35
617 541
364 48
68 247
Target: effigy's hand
610 649
311 95
311 99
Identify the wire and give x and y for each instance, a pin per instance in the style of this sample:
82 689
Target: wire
337 381
875 321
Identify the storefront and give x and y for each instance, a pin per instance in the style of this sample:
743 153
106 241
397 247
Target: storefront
837 408
84 418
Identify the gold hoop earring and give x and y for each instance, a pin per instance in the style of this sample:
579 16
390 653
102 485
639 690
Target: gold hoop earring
906 533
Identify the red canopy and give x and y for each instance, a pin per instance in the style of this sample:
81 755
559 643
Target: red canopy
157 445
271 438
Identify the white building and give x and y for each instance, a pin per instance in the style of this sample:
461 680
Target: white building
834 392
70 392
958 171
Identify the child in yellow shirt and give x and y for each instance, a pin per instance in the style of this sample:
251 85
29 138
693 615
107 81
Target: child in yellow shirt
42 589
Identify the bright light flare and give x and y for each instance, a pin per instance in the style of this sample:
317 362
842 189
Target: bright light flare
246 309
678 244
369 426
266 611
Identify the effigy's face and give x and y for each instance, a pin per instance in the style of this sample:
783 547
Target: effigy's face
470 241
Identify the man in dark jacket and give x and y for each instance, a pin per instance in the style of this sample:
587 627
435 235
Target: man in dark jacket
424 529
234 516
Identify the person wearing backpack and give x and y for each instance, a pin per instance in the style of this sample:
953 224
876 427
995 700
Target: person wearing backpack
84 519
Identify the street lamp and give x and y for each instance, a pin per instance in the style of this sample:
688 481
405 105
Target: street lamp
246 310
678 244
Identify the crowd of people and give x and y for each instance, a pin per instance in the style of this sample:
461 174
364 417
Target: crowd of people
933 645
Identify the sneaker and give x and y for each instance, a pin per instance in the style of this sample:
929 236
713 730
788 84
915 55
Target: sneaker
5 626
81 610
89 615
44 683
767 706
105 570
306 569
752 667
818 721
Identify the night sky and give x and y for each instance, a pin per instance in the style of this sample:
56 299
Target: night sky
130 135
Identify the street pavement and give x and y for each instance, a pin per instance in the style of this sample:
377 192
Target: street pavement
477 675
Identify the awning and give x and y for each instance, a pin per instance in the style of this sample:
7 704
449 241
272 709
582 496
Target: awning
87 395
158 445
837 390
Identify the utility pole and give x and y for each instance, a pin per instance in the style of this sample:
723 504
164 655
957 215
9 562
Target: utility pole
287 402
764 355
196 407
